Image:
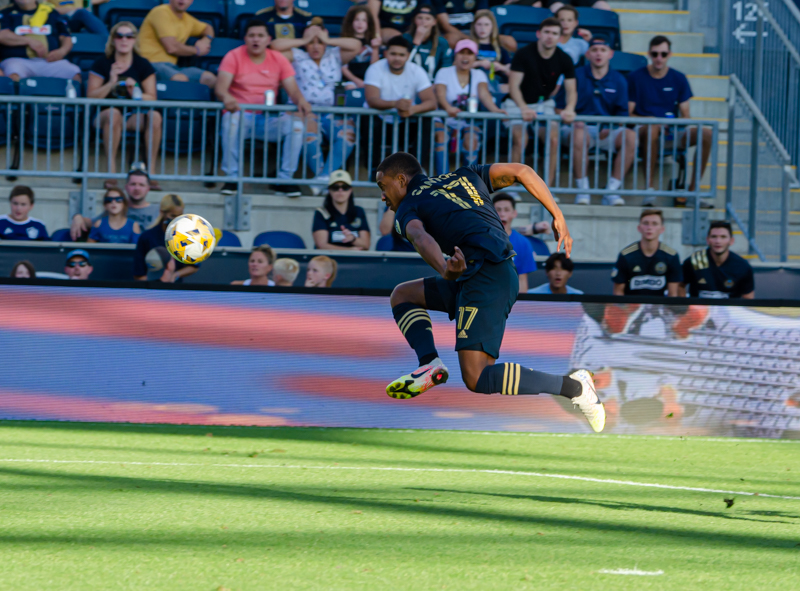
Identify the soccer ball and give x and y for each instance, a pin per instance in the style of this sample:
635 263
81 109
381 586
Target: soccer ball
190 239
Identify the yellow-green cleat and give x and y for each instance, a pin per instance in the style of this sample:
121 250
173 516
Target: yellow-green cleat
588 402
418 381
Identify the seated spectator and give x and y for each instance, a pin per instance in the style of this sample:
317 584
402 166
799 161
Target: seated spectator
115 226
456 16
574 46
358 24
455 85
284 20
493 58
259 266
245 74
285 271
170 208
140 211
431 51
23 270
18 225
340 224
533 81
657 90
318 70
78 265
601 92
559 269
321 272
165 30
115 75
35 41
392 17
79 18
506 207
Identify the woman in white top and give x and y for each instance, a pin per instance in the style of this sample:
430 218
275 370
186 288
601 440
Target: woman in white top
259 265
454 86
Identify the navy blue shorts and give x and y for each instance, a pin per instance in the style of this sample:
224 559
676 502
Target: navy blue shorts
480 305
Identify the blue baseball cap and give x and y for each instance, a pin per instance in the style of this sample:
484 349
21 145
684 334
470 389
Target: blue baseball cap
599 40
78 252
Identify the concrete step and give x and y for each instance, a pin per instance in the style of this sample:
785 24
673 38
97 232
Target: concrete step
709 86
705 64
708 108
654 20
639 41
642 5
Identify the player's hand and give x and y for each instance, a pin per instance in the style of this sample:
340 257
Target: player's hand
456 265
528 114
561 234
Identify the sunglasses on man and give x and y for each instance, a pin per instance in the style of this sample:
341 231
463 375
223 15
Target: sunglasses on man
73 264
659 53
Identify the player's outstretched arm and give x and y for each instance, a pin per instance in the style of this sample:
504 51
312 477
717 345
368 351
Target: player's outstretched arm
506 174
432 254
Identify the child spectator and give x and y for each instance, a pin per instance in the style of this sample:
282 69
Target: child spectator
431 51
18 225
115 226
79 17
392 17
23 270
506 207
284 20
559 269
259 266
340 224
285 271
493 58
165 30
78 265
170 208
321 272
575 47
358 24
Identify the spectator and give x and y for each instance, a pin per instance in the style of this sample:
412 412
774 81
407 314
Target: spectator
573 46
23 270
115 75
285 272
493 58
431 51
657 90
340 224
18 225
556 5
321 272
559 269
358 24
454 15
647 267
165 30
78 264
170 208
245 74
259 266
455 85
284 20
115 226
535 72
35 41
601 92
318 71
506 207
137 187
79 18
716 272
392 17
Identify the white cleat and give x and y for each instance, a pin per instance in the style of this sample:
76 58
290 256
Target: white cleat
418 381
588 402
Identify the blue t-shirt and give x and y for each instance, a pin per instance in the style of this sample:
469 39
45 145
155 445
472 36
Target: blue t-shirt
544 288
30 229
105 233
605 97
658 97
524 260
456 210
17 21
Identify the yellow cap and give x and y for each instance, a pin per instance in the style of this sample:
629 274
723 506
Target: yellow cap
341 176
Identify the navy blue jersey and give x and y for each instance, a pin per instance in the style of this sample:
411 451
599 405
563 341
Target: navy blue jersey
323 220
18 21
703 279
30 229
461 12
643 275
285 28
456 209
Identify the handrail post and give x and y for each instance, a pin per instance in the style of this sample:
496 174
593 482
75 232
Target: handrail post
784 244
730 151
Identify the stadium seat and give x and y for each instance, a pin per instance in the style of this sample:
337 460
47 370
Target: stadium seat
521 22
228 239
184 124
627 62
48 125
385 243
134 11
279 239
219 47
61 235
539 246
601 22
86 48
332 11
239 12
211 12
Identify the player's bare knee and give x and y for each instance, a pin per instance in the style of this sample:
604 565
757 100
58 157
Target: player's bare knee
405 293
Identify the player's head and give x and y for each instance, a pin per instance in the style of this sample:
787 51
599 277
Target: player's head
506 207
651 224
549 33
393 176
720 237
559 269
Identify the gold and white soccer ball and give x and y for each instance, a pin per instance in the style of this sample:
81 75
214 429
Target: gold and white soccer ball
190 239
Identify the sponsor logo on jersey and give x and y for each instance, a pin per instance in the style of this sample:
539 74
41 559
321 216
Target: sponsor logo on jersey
653 282
399 6
717 295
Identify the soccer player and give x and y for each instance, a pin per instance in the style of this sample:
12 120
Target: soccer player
454 214
716 272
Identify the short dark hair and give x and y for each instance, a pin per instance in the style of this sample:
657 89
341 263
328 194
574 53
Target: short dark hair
505 197
647 212
658 40
400 163
720 224
138 172
572 9
550 21
560 257
400 41
21 190
254 22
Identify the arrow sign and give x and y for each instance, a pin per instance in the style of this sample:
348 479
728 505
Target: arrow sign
741 34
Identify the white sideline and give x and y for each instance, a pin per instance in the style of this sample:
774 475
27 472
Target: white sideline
397 469
631 571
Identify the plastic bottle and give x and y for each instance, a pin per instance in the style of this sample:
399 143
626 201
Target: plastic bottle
136 93
71 92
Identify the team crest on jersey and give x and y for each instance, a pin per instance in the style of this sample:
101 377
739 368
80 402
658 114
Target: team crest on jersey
661 267
356 223
614 272
469 4
728 283
32 233
397 227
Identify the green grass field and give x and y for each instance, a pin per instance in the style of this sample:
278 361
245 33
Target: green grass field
104 507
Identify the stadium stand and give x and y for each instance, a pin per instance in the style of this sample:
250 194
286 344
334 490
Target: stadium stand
279 239
182 127
229 239
134 11
52 126
239 12
212 12
86 48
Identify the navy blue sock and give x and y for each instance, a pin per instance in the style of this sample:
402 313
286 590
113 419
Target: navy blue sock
415 324
512 379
